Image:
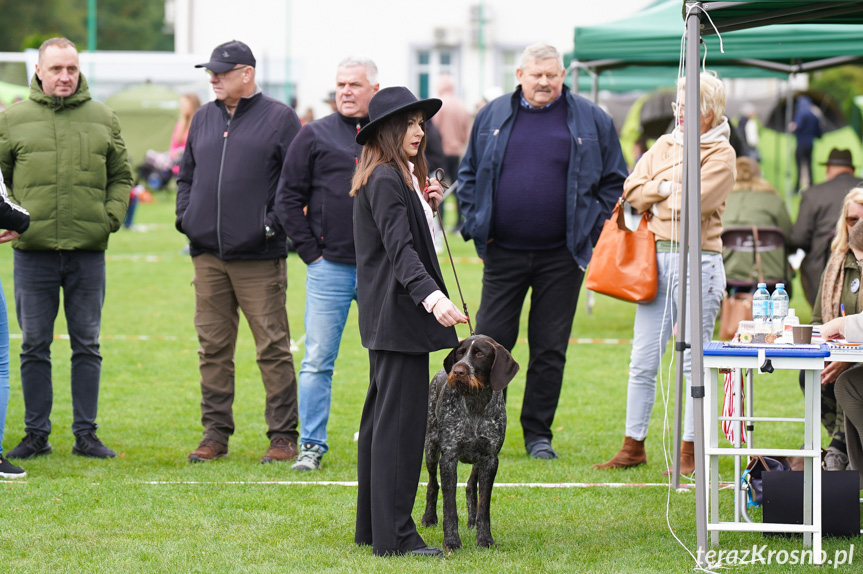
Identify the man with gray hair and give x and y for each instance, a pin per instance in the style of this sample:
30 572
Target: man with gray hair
542 171
65 162
225 206
313 203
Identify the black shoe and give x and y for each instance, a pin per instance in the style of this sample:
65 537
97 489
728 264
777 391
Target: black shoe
427 551
541 449
9 470
31 445
88 444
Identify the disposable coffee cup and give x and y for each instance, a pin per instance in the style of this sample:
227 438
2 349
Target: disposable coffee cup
802 334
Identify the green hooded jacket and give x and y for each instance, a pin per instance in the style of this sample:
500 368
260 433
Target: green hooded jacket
65 162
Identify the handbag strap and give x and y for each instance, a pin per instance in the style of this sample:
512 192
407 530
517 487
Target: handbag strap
620 217
754 460
757 256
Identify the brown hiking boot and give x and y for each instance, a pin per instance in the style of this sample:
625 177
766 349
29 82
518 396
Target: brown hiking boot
687 458
281 448
208 450
632 454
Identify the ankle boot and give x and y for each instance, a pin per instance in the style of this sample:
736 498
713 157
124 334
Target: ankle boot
632 454
687 458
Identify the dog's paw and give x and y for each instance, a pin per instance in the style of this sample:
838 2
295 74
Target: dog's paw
452 543
429 519
484 541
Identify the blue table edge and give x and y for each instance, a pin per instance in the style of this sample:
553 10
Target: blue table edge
718 349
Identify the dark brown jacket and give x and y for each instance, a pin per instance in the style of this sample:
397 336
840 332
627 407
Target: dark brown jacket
815 227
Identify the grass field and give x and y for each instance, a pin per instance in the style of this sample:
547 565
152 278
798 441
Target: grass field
151 511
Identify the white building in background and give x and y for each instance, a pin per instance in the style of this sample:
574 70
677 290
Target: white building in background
299 43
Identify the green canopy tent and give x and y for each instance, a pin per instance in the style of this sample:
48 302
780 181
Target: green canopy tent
640 78
651 38
147 114
702 18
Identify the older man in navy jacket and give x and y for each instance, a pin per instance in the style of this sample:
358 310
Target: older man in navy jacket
225 206
542 172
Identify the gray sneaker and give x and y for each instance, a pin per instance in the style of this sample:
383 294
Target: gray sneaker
309 458
835 459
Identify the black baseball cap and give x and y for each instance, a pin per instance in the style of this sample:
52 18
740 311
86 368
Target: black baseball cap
226 56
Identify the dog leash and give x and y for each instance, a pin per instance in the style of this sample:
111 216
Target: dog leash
439 174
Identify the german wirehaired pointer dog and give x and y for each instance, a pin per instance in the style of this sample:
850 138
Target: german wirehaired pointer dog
467 423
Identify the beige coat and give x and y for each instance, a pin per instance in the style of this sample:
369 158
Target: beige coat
664 162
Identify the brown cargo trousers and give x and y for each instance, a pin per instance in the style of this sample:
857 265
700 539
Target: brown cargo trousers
222 288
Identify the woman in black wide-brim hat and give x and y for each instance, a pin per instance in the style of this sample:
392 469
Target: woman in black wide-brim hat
404 314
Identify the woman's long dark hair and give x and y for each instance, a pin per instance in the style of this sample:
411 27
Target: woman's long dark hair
386 146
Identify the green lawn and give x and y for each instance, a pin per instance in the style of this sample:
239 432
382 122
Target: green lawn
151 511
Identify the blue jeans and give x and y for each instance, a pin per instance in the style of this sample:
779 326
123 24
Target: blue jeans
39 276
330 288
653 324
4 364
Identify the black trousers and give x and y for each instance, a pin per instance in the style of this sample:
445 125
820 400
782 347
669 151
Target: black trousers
389 461
803 156
554 280
452 165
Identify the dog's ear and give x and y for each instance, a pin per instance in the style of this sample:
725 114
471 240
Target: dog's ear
503 369
449 361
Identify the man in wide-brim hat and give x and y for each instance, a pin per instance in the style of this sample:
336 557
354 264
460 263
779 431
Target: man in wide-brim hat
820 207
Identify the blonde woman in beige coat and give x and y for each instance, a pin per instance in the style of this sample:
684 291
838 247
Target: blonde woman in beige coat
655 186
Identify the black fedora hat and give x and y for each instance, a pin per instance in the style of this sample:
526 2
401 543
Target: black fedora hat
228 55
840 157
391 101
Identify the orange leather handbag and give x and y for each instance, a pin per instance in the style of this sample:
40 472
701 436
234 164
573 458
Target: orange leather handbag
623 264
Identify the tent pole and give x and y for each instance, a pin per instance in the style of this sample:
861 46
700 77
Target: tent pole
789 116
680 387
692 188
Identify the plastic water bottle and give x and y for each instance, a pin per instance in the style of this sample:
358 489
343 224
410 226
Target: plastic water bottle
779 307
761 313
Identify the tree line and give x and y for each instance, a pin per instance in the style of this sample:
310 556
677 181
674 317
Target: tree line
120 24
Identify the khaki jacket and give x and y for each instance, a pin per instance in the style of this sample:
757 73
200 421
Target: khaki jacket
65 162
664 162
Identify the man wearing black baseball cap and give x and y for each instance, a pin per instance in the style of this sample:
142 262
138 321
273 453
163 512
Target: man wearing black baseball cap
820 207
225 194
226 56
232 73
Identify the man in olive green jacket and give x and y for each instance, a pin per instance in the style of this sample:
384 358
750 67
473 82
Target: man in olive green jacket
65 162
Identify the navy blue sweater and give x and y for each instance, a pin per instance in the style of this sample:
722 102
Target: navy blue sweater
530 204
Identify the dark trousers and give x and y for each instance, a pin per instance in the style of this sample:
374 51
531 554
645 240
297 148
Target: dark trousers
554 280
389 460
803 155
451 166
832 415
39 277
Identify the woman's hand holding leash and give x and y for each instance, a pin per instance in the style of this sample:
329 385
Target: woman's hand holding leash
435 188
433 192
447 314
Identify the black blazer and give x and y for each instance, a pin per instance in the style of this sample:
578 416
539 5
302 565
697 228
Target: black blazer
397 268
